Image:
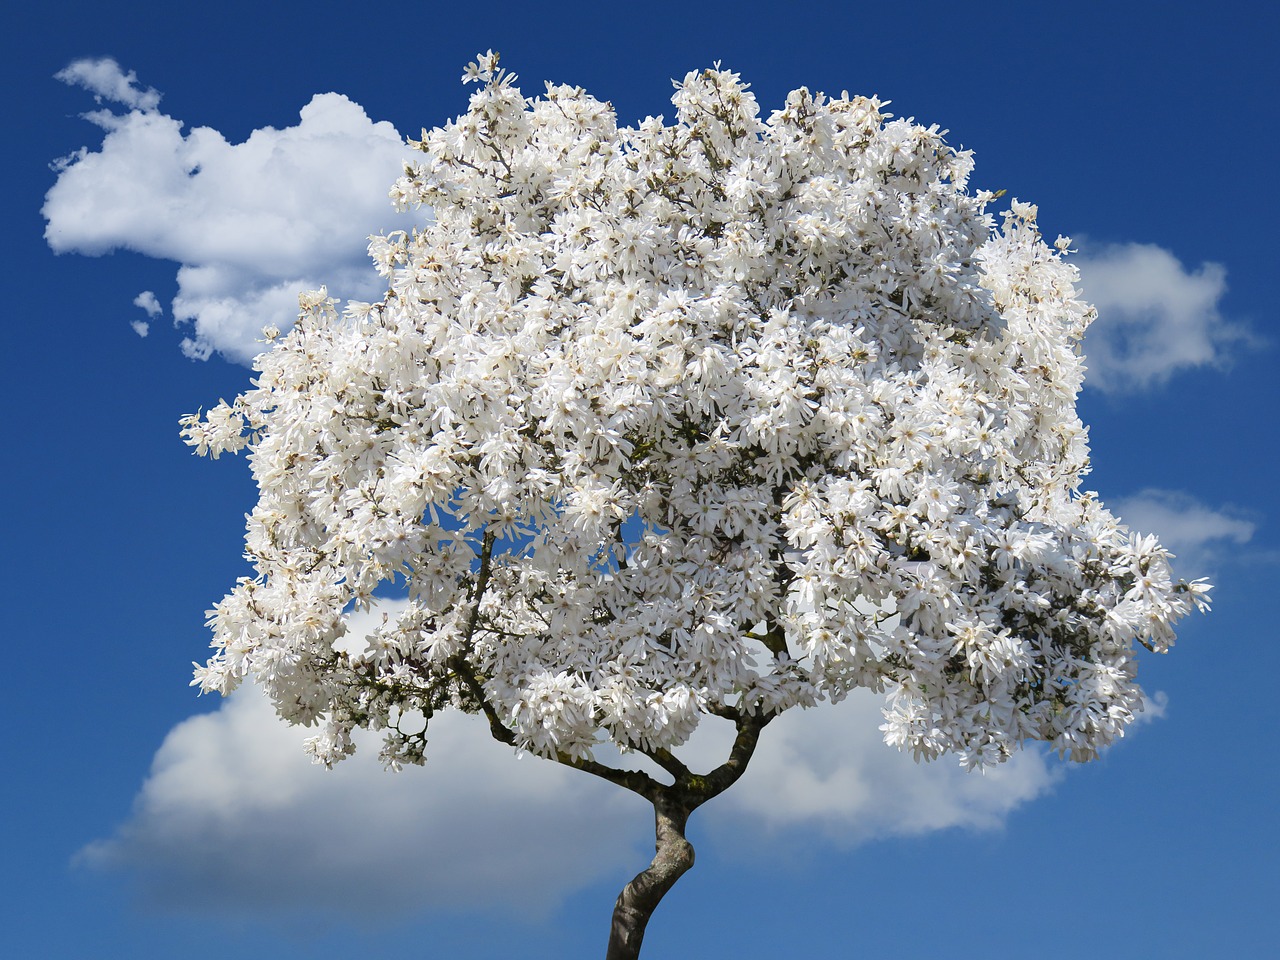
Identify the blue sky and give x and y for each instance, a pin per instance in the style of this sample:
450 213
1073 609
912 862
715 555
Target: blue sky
141 821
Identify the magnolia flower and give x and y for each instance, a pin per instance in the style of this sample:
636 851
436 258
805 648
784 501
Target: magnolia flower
689 421
639 399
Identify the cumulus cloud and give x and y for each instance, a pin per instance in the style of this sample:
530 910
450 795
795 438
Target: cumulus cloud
250 224
827 771
233 811
106 81
140 327
1198 534
148 302
1155 316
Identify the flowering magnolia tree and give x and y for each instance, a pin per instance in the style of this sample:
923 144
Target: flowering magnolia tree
684 422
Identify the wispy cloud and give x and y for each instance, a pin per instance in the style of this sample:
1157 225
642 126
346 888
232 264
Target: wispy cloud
250 224
106 81
1155 317
1200 535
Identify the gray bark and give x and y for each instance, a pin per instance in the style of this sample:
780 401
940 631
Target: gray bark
672 858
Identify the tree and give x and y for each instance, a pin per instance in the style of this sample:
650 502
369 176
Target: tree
709 419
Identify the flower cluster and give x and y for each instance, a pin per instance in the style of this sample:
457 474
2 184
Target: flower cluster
718 416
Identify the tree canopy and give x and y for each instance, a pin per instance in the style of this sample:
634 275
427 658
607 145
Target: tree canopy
710 418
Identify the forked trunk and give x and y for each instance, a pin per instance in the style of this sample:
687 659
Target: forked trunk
640 897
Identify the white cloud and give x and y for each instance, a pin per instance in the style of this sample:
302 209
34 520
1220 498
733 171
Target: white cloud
250 224
827 769
148 302
1197 533
232 809
1155 317
106 81
140 327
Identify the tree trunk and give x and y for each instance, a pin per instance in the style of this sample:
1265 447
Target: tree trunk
640 897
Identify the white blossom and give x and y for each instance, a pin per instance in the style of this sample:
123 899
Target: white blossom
733 413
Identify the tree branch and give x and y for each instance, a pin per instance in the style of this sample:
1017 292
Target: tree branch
500 731
700 789
668 761
482 583
637 781
725 712
459 664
